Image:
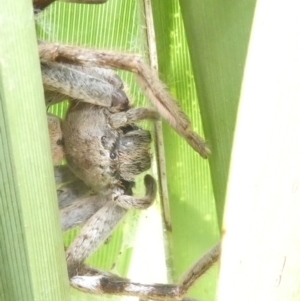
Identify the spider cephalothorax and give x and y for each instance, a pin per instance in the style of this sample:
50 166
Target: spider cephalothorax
99 154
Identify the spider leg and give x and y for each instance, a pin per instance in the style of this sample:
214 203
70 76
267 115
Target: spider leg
132 202
101 224
99 282
56 139
68 193
86 1
199 268
152 86
63 174
79 211
40 5
74 200
94 232
96 86
133 115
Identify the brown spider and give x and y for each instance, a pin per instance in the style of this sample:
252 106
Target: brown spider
105 151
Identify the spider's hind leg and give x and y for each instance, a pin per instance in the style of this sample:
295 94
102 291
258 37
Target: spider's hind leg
199 268
101 224
99 282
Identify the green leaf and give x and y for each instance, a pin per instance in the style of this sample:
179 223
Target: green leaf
192 204
218 34
33 265
262 206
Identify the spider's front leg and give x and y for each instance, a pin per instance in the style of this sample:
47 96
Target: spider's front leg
152 86
97 86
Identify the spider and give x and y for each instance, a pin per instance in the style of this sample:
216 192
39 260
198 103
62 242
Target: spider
105 151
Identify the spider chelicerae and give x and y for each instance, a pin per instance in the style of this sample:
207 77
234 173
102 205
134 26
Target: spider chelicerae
105 151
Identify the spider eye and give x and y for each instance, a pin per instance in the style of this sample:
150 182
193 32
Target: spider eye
113 156
59 142
103 140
